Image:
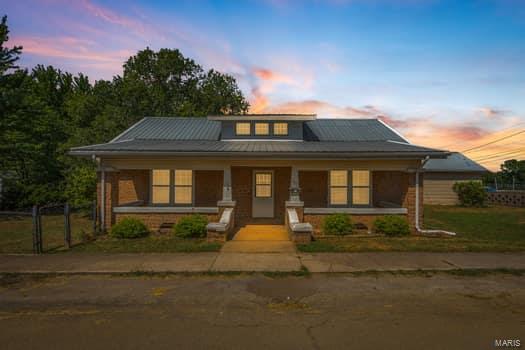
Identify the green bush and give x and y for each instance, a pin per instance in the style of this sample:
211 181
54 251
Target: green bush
392 225
337 224
129 228
470 193
191 226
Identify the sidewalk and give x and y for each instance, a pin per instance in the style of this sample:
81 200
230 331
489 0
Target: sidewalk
233 261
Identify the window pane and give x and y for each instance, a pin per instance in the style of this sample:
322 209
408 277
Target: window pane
263 178
360 195
160 195
264 191
280 129
360 178
183 178
338 195
242 128
161 177
338 178
262 129
183 195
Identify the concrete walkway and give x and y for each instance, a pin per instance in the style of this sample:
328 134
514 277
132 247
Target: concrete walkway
204 262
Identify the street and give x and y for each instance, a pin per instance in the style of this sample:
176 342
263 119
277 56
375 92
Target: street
256 311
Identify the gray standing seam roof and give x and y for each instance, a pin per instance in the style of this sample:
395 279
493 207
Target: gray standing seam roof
323 137
455 162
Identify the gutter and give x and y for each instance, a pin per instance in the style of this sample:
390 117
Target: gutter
270 155
419 229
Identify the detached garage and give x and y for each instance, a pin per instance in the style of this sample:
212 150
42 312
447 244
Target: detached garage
442 174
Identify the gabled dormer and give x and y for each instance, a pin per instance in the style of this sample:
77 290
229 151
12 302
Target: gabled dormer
263 126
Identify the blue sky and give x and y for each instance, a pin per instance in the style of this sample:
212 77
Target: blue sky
446 73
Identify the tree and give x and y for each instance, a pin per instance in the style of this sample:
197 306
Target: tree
165 83
8 56
513 169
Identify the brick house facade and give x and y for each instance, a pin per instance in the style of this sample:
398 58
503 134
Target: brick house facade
303 171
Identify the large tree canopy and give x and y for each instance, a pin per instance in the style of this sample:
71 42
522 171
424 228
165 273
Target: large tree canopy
44 112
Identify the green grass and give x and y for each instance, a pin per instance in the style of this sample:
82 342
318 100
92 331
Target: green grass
150 244
499 229
16 237
16 232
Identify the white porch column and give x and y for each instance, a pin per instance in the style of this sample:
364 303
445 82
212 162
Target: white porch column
227 184
227 200
294 186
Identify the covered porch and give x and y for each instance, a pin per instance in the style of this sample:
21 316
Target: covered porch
246 191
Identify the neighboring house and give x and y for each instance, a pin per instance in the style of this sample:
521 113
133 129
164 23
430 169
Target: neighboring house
277 169
442 174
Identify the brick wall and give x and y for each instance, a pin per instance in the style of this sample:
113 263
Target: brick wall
314 188
389 186
208 187
133 185
242 188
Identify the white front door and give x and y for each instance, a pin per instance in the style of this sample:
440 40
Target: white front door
262 198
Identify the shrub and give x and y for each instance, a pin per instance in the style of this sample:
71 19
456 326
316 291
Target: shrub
129 228
392 225
191 226
470 193
337 224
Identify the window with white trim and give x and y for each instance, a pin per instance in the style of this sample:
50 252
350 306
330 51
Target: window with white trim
160 186
338 187
262 129
172 187
183 187
242 129
263 185
280 129
360 187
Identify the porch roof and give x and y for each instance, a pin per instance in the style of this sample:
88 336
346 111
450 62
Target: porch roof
279 149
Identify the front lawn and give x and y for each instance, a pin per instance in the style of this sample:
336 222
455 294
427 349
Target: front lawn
151 244
16 237
478 229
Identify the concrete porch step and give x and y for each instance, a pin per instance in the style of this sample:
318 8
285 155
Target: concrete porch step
262 233
258 247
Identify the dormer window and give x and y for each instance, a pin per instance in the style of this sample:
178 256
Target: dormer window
280 129
242 129
262 129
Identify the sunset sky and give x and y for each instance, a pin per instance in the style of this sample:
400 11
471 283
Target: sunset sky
447 74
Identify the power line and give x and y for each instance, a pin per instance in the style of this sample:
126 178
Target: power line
500 131
497 154
492 142
504 157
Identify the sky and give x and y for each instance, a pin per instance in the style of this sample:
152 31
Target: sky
446 74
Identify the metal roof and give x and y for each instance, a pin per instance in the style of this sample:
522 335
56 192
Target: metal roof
351 130
162 128
332 149
332 138
455 162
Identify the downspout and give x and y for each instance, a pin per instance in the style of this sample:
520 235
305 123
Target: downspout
103 201
419 229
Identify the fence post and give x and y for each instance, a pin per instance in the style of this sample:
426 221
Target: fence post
94 217
34 214
67 226
40 240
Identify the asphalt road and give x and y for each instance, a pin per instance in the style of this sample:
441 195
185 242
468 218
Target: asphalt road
258 312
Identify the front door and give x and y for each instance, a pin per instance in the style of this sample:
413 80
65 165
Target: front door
262 201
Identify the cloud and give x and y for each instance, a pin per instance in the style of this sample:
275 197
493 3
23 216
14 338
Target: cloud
492 113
